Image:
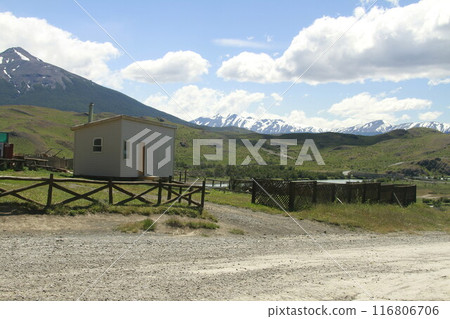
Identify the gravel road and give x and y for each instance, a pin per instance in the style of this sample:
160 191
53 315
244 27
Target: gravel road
59 259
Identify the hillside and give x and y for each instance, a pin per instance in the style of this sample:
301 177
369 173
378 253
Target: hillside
38 129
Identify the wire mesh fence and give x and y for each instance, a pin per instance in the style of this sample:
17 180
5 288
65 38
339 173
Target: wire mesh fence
295 195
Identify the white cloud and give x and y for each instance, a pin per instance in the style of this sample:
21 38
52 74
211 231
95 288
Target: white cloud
277 98
366 107
435 82
190 102
180 66
393 2
239 43
393 44
405 117
59 47
429 116
250 67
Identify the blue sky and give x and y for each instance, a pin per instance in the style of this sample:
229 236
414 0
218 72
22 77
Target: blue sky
322 63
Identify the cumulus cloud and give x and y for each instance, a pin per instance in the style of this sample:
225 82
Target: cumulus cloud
393 44
190 102
365 107
179 66
239 43
250 67
429 116
59 47
300 118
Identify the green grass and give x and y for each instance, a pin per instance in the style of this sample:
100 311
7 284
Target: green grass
242 200
144 225
177 223
380 218
436 188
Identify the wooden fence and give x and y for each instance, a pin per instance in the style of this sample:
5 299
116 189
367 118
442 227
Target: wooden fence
240 185
294 195
167 192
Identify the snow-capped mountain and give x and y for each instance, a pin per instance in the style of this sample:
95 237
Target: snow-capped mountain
279 126
375 127
264 126
27 80
24 71
380 127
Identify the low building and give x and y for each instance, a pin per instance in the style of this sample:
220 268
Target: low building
124 147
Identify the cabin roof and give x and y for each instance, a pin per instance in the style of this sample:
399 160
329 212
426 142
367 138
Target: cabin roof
121 117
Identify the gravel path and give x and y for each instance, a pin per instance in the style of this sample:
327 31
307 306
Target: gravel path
268 263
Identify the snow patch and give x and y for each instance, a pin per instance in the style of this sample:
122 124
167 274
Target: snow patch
21 55
4 71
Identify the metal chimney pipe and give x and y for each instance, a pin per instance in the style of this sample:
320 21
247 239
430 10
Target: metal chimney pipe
91 113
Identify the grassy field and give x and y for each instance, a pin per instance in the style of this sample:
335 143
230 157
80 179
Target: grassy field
432 188
38 130
380 218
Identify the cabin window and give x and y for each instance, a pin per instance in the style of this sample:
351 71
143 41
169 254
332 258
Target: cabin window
97 144
125 150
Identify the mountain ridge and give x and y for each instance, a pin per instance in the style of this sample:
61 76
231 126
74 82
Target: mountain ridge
27 80
280 126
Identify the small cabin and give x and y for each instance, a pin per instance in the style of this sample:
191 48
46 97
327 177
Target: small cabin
124 147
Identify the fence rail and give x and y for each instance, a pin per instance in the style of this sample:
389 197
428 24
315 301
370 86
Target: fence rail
294 195
167 192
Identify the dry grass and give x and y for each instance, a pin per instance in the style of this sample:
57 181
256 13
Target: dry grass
144 225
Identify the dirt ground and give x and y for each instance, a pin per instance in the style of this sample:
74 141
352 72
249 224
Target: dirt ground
68 258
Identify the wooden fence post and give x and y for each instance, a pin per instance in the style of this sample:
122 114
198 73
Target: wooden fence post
181 192
203 194
169 192
50 191
110 192
159 192
254 185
